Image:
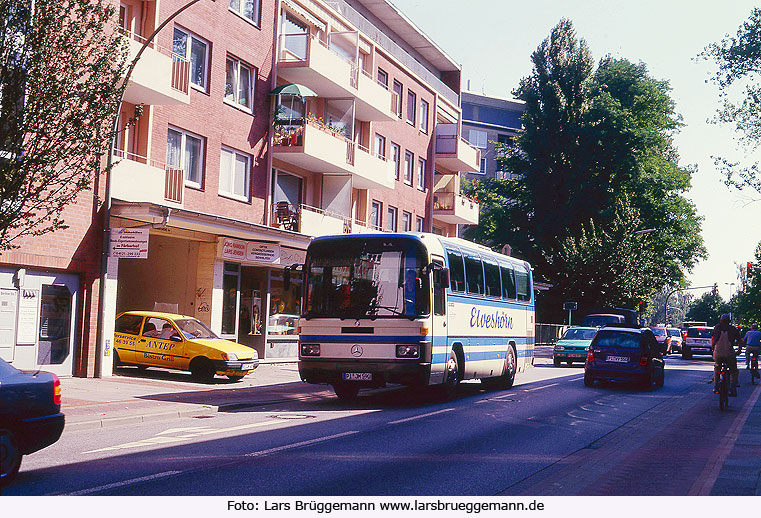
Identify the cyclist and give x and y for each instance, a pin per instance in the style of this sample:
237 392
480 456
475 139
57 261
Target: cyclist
723 340
752 345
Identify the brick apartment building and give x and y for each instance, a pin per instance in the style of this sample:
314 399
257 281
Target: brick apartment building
229 175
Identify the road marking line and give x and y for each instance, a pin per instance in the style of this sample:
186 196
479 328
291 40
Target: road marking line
421 416
122 483
711 472
262 453
159 439
540 388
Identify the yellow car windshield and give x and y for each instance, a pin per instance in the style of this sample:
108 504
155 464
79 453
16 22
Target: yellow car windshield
194 329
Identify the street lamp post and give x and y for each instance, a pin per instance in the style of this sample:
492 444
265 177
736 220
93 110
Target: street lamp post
730 284
102 347
666 302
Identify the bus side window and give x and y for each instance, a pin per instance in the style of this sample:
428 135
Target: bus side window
522 283
456 270
474 275
491 273
508 282
439 301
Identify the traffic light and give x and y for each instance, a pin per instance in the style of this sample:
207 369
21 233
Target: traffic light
749 269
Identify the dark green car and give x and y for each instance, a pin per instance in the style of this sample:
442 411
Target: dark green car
573 346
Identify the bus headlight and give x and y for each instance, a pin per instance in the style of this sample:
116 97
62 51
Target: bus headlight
407 351
310 349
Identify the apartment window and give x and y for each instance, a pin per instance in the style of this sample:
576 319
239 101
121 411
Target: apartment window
409 160
396 157
391 221
419 224
423 116
124 17
477 138
421 174
411 102
375 212
185 151
406 221
239 84
234 170
248 9
504 139
482 170
383 78
398 92
380 146
195 50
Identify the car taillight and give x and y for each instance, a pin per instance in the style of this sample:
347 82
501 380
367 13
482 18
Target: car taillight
590 356
56 390
643 360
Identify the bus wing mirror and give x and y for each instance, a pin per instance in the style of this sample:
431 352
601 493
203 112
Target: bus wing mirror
287 276
445 278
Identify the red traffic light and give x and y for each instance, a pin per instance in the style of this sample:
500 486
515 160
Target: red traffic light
749 265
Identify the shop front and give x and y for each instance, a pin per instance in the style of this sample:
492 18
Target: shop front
257 310
38 319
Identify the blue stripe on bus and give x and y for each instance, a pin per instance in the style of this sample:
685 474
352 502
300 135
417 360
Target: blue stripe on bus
364 339
484 301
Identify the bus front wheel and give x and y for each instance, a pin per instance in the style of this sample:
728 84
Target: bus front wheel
452 377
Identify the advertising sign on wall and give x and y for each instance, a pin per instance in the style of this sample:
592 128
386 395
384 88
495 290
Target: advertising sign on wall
249 251
129 243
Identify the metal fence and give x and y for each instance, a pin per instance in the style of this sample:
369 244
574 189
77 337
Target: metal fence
548 334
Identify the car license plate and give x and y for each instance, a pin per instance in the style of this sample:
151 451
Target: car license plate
247 366
576 355
358 376
618 359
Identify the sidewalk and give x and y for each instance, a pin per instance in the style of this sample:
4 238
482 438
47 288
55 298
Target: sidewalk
132 396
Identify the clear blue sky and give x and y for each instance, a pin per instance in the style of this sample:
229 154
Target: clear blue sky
493 41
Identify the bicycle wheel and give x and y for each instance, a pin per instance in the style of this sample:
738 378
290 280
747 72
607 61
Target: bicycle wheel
723 392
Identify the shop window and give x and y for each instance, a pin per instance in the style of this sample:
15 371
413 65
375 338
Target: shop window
55 325
285 306
230 283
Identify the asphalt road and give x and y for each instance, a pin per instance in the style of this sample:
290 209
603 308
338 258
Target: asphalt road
548 435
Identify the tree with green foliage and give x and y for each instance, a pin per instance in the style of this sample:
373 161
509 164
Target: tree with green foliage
708 307
747 303
61 69
739 65
594 163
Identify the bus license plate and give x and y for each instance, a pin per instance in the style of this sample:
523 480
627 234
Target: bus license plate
618 359
358 376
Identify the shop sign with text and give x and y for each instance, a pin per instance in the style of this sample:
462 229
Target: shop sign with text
247 251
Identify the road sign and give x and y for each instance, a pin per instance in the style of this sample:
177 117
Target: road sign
570 306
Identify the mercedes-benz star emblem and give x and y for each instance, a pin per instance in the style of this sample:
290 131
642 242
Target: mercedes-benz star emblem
356 351
357 323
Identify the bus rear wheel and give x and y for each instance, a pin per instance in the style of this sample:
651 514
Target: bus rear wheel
506 380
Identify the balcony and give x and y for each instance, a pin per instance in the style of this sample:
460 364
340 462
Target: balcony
317 147
453 208
304 59
160 76
317 222
453 152
139 179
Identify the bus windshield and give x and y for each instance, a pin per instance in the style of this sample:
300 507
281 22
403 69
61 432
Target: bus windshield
367 278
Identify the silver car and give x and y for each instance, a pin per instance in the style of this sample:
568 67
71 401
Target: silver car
676 339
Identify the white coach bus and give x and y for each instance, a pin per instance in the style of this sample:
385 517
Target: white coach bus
413 309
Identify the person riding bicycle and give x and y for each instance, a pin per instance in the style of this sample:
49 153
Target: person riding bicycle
752 345
723 340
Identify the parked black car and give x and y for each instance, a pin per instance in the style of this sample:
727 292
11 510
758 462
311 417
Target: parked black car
30 415
627 354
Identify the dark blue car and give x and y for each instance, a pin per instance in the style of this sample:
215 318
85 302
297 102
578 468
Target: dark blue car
625 354
30 415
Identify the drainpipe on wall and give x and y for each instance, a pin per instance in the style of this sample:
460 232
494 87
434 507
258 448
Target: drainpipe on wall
271 112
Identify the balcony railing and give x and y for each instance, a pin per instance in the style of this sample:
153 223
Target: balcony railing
180 65
315 221
449 200
174 177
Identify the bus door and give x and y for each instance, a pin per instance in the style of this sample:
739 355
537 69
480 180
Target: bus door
439 331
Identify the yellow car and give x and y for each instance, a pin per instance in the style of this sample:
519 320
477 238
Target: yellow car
152 339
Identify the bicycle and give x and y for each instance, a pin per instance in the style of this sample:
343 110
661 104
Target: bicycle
723 385
753 366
